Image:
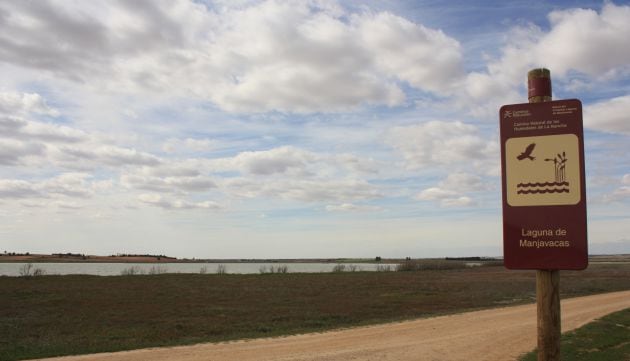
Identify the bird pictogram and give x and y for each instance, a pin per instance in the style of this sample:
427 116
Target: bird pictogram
527 153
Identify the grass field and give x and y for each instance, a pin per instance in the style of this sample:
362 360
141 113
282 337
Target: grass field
606 339
62 315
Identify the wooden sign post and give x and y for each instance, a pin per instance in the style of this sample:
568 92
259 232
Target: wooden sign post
547 281
544 197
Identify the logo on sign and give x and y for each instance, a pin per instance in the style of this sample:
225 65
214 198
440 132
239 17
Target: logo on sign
517 113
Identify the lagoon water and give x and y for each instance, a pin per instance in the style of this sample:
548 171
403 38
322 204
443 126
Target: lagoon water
116 269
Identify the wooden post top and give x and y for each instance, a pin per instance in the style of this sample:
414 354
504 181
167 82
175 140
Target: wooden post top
539 85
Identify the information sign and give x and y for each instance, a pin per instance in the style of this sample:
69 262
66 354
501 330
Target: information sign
544 197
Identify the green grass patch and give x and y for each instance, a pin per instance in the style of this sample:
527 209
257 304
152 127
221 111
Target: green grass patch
63 315
605 339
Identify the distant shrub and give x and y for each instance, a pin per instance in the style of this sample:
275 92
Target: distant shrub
157 270
279 269
132 271
492 263
339 268
410 265
28 270
345 268
221 269
383 268
407 266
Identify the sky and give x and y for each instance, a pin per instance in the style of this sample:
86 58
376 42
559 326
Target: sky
293 129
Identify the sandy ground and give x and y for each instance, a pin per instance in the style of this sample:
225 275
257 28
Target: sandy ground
491 335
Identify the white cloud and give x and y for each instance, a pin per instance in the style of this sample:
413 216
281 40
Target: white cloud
294 162
168 184
622 192
51 133
190 167
177 204
355 163
69 205
483 93
273 55
186 145
446 198
36 143
42 143
19 128
612 116
14 103
451 192
621 189
69 184
435 193
73 185
305 190
579 40
14 152
277 160
292 173
464 182
350 207
92 36
438 143
304 58
463 201
17 189
11 125
425 58
93 155
284 172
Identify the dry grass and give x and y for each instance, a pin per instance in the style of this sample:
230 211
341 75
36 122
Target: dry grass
60 315
605 339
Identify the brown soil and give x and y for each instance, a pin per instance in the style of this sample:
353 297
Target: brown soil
492 335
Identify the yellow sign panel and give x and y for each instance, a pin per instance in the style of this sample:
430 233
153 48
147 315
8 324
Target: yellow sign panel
543 170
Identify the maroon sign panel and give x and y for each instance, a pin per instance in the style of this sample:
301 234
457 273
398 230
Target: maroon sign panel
544 195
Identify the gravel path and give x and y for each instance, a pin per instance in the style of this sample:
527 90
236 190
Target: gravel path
491 335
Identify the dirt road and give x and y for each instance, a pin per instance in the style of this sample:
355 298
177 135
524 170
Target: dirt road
491 335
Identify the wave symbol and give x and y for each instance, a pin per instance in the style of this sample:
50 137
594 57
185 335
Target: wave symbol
561 190
546 184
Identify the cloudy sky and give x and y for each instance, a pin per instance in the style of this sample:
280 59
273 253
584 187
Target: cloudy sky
255 129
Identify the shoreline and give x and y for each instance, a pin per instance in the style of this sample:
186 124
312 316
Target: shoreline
42 258
74 258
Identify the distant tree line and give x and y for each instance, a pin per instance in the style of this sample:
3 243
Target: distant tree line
158 256
15 254
465 258
68 254
81 255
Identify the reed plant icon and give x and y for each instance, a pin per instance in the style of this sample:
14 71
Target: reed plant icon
560 184
559 163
